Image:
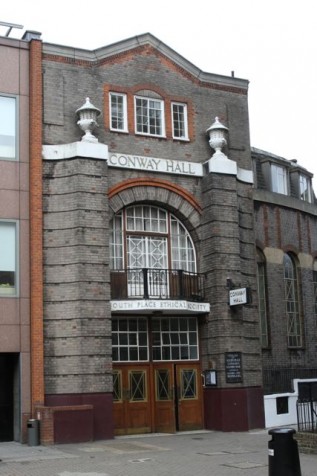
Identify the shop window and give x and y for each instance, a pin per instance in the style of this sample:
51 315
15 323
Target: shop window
279 179
149 116
8 280
179 117
292 306
118 112
8 135
262 298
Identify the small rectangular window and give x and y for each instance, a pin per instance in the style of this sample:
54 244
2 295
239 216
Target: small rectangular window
149 116
118 112
305 188
279 179
282 405
8 273
8 128
179 115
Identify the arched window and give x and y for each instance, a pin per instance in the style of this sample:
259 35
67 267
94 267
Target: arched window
262 298
145 236
294 328
154 253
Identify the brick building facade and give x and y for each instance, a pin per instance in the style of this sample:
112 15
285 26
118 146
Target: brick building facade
151 307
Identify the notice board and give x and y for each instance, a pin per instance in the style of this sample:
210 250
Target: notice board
233 366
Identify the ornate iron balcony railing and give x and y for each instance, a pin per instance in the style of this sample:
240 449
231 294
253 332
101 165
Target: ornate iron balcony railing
146 283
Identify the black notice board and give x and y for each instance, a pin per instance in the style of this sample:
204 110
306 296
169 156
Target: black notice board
233 367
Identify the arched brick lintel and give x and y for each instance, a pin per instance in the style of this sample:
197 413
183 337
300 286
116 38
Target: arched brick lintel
146 190
145 182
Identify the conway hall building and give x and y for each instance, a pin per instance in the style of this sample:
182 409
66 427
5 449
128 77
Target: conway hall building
158 235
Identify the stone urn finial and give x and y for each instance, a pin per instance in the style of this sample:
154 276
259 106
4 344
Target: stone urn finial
217 133
88 120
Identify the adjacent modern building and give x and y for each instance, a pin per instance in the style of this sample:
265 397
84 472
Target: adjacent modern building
15 238
171 277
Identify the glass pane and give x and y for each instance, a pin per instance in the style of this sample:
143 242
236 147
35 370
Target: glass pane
7 127
162 385
137 386
188 384
7 258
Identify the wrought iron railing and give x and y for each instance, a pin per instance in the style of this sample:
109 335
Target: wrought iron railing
147 283
306 407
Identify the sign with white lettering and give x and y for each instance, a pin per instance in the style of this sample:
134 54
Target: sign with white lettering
238 296
233 365
152 164
160 305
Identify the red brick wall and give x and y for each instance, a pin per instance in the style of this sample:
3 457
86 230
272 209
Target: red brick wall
37 356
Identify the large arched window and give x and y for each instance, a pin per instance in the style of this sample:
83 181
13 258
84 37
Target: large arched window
262 298
152 250
145 236
291 285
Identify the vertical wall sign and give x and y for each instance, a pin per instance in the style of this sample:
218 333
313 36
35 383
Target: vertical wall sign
233 365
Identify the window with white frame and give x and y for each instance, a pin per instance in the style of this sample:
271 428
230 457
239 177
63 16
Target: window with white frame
179 118
8 286
8 128
149 116
118 112
305 188
279 179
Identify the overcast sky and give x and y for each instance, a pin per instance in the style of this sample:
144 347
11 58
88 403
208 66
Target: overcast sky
271 43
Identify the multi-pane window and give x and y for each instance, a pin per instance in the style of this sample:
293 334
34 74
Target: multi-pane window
175 339
8 285
294 330
279 179
305 188
8 128
262 299
179 115
149 116
118 112
129 340
144 236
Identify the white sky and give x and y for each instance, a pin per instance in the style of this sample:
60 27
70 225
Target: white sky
272 43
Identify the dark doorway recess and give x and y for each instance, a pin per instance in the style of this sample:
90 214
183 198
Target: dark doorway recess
7 364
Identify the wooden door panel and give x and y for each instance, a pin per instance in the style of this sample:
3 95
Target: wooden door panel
164 403
132 412
190 415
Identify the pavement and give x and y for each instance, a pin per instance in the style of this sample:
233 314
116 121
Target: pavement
198 453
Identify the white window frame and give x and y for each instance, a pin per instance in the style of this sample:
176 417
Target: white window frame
6 290
9 123
279 179
305 188
185 121
124 112
162 118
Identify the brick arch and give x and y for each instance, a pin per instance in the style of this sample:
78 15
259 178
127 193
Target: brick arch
161 192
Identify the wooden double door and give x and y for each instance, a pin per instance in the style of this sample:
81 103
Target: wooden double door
157 397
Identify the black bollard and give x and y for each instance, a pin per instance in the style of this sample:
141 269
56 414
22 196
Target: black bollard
283 453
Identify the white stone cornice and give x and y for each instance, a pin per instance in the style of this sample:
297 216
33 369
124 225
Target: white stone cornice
75 149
